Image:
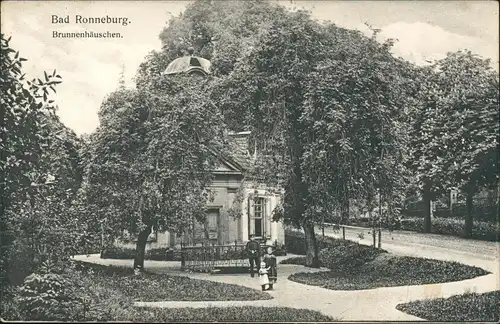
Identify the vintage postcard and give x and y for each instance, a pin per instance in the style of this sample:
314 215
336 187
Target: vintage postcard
250 161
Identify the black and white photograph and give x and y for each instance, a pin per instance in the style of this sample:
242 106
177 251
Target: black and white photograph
249 161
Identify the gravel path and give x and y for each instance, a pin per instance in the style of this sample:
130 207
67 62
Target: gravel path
441 247
374 304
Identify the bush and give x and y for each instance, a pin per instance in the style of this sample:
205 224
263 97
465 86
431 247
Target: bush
20 262
295 242
159 254
348 256
469 307
47 296
336 254
300 260
9 305
484 210
452 226
118 253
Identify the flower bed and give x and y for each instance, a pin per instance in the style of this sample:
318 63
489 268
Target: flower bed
470 307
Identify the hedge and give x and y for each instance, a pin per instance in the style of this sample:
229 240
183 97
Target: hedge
168 254
452 226
334 253
160 254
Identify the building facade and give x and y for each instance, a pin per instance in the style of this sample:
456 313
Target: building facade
240 207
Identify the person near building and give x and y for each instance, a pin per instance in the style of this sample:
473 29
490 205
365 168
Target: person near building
253 252
263 276
271 264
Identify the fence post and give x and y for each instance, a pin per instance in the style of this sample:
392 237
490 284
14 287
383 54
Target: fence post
183 262
323 225
343 232
102 239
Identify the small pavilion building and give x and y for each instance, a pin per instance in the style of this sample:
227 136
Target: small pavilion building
255 202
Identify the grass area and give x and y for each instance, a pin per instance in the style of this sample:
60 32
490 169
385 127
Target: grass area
231 314
469 307
389 271
157 287
356 267
100 293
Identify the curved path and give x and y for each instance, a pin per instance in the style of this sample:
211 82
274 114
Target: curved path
478 253
374 304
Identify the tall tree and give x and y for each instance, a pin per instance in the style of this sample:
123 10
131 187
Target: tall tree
267 84
150 159
40 164
458 144
220 31
356 108
301 91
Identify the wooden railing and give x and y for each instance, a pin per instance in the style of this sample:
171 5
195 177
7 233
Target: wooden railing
375 232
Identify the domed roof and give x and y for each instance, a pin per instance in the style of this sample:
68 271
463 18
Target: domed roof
188 64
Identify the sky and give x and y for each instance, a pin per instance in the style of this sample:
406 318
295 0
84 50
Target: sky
90 68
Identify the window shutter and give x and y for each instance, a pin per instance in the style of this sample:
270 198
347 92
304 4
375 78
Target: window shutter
251 213
267 216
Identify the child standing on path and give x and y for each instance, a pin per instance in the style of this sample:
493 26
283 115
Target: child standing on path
271 265
264 280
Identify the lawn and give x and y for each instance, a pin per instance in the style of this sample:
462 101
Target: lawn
158 287
243 314
469 307
356 267
99 293
114 290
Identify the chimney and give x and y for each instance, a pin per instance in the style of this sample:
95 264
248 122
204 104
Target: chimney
241 139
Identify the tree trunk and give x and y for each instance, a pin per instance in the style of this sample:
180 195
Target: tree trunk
374 235
468 217
344 212
427 212
312 259
141 248
369 203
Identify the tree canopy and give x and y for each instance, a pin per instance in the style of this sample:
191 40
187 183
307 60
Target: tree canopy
42 172
149 162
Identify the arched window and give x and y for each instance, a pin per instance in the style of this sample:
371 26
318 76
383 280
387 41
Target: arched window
194 62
